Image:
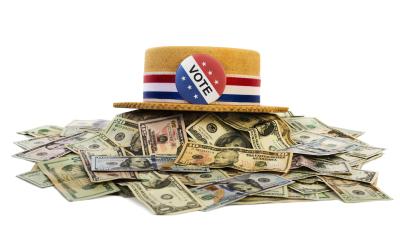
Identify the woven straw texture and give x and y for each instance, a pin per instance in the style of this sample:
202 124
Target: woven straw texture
205 108
234 61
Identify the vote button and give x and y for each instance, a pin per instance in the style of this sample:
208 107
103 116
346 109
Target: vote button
200 79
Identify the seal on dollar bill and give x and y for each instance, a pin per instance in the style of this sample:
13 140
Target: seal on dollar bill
210 79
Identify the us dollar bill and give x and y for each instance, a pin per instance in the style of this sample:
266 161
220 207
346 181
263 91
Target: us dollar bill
313 125
279 192
125 133
79 126
310 180
327 196
247 122
97 142
254 200
315 150
306 150
320 166
298 124
322 143
365 176
283 127
121 163
284 114
341 157
299 174
42 131
30 144
247 160
353 191
268 136
167 163
191 116
233 189
151 175
305 188
233 172
208 129
348 132
292 194
124 191
351 160
142 114
365 152
53 149
96 176
164 135
196 179
69 177
363 162
36 178
141 163
240 121
165 195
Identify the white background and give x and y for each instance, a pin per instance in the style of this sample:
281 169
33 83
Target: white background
64 60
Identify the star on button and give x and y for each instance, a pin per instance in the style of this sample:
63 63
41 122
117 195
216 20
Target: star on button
189 87
183 78
204 63
216 82
196 96
209 72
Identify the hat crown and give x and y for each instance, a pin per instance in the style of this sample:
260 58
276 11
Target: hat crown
187 78
240 80
233 60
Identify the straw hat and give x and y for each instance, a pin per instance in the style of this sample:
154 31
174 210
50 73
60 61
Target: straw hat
201 79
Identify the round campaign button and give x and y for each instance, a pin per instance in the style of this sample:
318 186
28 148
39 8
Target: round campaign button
200 79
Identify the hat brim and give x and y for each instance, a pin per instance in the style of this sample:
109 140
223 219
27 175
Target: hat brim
195 107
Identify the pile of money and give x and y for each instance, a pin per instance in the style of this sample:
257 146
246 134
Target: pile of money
175 162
